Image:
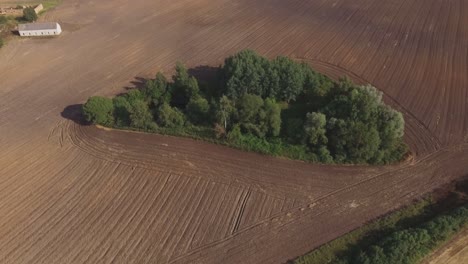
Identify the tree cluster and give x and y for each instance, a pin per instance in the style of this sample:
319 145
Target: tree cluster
339 121
277 106
179 103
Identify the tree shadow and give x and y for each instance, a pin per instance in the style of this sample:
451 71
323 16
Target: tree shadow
137 83
209 79
204 73
73 113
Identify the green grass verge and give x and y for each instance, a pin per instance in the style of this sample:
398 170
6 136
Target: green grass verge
49 4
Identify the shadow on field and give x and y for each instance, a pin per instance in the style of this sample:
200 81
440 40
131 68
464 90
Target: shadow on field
137 83
73 113
204 73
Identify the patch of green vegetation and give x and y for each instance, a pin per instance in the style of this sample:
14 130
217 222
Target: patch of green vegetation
350 243
411 245
29 14
404 236
278 107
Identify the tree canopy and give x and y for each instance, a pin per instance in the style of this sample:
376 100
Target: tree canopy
99 110
277 106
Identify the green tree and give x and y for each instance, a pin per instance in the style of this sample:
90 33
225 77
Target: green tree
235 135
362 142
338 136
291 78
134 95
156 91
29 14
225 112
273 117
251 116
170 116
197 110
390 125
121 111
99 110
245 72
140 115
316 86
184 86
315 129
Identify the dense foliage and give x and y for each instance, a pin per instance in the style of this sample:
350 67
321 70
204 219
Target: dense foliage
405 236
29 14
277 107
411 245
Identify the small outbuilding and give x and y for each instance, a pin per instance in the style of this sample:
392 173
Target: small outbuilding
39 29
38 8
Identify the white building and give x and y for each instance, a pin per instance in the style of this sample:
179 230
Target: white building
39 29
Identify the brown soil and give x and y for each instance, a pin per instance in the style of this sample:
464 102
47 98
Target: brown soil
76 194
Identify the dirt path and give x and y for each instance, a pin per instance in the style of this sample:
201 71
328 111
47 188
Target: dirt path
78 194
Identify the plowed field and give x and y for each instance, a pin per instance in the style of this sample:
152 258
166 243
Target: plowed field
80 194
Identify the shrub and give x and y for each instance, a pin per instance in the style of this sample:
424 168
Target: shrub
168 116
140 115
184 87
29 14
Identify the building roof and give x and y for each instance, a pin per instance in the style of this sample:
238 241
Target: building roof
38 26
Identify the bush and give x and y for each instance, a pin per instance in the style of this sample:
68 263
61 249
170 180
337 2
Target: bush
168 116
184 87
140 115
1 42
29 14
99 110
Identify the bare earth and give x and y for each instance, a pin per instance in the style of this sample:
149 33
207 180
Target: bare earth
77 194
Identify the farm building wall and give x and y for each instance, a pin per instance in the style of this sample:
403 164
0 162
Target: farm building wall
40 32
